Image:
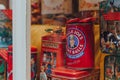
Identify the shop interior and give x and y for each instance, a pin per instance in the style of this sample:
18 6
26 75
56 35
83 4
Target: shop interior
70 40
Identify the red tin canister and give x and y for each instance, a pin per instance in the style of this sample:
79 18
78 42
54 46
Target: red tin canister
33 63
80 43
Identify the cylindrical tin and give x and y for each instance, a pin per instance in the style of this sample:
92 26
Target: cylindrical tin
33 63
80 43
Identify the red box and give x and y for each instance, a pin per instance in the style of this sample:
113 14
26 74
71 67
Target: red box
53 47
52 53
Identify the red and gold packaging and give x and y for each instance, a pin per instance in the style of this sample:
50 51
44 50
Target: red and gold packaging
80 44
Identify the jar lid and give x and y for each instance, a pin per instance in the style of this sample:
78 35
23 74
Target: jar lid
78 20
33 49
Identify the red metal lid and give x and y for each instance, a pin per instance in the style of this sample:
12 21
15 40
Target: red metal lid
73 20
33 49
78 20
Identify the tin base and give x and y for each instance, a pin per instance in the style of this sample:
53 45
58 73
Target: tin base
88 68
70 74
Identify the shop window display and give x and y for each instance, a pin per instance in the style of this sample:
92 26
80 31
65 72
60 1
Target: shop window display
109 37
49 59
55 15
5 37
5 28
52 49
5 40
58 17
112 65
52 43
110 23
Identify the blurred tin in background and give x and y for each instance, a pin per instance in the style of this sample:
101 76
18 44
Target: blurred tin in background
3 64
33 63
